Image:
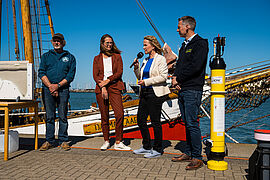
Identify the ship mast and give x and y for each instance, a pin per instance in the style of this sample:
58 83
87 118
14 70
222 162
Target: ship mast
17 52
27 33
49 17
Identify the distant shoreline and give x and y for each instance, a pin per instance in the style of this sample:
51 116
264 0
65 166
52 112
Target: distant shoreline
90 90
82 90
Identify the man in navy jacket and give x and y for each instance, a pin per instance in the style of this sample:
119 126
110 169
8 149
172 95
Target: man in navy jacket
189 77
57 70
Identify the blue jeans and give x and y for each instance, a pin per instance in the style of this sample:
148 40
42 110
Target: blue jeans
50 103
189 103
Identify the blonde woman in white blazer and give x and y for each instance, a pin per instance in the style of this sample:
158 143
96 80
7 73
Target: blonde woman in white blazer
152 77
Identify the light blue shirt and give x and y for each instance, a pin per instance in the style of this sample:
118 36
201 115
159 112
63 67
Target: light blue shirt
189 39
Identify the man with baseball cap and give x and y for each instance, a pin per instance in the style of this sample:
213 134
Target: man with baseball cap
57 70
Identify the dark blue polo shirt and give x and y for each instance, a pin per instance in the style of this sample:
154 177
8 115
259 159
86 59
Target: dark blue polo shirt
57 66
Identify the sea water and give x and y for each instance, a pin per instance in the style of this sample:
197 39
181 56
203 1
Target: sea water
242 134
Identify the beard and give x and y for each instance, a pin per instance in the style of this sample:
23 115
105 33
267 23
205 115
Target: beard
182 34
57 47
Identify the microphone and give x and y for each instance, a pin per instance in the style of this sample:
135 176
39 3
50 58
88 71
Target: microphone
139 56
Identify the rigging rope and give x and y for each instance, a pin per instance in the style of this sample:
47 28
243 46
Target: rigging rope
248 65
247 69
253 120
235 126
17 50
249 89
8 33
149 20
21 30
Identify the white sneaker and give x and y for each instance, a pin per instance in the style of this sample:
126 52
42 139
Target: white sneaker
142 151
121 146
153 154
105 146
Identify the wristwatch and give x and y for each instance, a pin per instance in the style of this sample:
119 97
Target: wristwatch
59 85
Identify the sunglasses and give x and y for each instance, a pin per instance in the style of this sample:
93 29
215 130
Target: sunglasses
57 40
107 43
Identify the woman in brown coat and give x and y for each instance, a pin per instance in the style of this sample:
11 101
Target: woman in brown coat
107 73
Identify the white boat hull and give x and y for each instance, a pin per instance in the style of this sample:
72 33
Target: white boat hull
75 127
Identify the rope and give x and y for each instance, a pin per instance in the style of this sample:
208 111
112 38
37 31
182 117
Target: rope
248 65
247 69
243 92
244 116
231 138
8 32
263 125
21 30
235 126
250 90
149 20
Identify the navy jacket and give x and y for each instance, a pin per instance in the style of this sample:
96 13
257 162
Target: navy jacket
191 64
57 67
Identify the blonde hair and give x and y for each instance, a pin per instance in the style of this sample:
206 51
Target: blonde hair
154 42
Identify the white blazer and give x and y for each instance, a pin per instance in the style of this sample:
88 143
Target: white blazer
158 75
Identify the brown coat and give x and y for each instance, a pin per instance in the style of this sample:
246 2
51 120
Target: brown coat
116 84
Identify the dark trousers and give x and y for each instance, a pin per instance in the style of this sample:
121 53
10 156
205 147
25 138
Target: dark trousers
115 100
151 105
189 104
50 103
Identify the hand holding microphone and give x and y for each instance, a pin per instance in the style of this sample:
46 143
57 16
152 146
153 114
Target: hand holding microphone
139 55
135 63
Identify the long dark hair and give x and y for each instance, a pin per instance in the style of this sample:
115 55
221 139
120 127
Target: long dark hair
104 50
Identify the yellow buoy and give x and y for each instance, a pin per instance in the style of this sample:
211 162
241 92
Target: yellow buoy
217 137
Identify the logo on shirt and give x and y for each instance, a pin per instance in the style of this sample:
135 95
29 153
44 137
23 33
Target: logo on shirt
188 50
65 59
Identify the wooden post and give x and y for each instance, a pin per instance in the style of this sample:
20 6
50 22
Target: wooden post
36 124
6 124
27 33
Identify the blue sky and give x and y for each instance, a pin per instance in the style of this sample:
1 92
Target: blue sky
245 24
